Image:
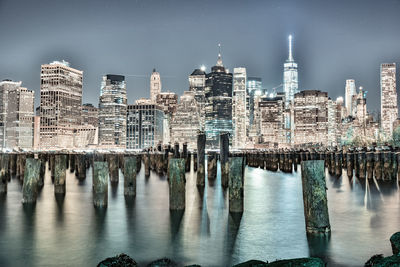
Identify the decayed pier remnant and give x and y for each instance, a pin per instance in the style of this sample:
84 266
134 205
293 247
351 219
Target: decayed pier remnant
130 165
362 164
146 161
224 158
177 183
378 165
387 165
4 172
176 151
60 173
350 163
113 165
201 148
212 165
370 164
186 156
236 183
100 184
31 179
314 197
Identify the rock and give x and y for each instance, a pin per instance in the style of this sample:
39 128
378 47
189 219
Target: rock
303 262
252 263
164 262
121 260
395 241
380 261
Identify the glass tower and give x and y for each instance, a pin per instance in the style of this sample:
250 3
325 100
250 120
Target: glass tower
290 77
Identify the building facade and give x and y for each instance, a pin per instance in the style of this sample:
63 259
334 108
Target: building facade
389 110
144 126
218 94
310 118
60 104
197 84
168 101
290 76
186 122
112 112
155 85
350 91
17 115
239 110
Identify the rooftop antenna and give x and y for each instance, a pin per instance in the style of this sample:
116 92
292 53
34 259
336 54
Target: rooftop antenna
219 61
290 48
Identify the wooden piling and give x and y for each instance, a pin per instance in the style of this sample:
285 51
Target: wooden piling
31 179
378 165
60 173
224 158
314 197
177 190
100 184
370 164
236 182
201 146
212 165
362 164
130 165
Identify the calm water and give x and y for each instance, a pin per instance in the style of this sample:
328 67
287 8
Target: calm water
71 232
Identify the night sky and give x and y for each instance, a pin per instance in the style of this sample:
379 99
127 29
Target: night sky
333 41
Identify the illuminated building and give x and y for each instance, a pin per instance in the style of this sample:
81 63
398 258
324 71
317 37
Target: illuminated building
389 110
239 114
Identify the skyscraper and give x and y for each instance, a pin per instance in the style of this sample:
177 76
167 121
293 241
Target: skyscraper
197 83
254 87
290 76
272 120
60 104
218 94
112 112
389 110
350 91
239 118
16 115
155 85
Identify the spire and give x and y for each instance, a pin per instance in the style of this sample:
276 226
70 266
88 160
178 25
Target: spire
290 49
154 70
219 61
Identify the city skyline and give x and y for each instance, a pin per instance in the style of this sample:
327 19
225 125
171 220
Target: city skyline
262 51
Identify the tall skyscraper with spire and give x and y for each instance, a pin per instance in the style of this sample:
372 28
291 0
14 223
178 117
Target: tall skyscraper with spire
155 85
290 76
218 95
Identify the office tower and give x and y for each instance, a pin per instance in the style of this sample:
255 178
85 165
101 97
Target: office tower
218 94
254 87
272 121
350 91
389 110
155 85
144 126
361 108
290 76
168 101
60 104
239 118
197 83
333 123
112 112
16 115
310 117
186 122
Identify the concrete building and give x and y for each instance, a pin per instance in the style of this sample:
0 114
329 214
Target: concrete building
17 115
60 104
197 83
112 112
389 110
239 110
290 76
90 115
350 91
272 121
310 118
144 126
218 93
334 119
254 87
186 122
155 85
168 101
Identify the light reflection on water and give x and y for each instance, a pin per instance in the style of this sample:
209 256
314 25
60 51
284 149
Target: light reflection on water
70 231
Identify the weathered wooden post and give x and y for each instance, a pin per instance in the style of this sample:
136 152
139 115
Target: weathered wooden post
113 167
201 147
275 161
314 197
295 159
338 163
176 150
212 165
394 165
138 162
377 165
159 156
72 160
3 173
186 156
52 165
357 163
236 182
100 184
281 160
224 158
195 161
350 163
370 164
332 163
130 165
165 160
362 164
42 172
398 162
387 165
60 173
177 190
31 179
13 164
146 159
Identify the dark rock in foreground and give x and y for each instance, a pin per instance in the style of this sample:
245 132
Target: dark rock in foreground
380 261
252 263
395 241
306 262
118 261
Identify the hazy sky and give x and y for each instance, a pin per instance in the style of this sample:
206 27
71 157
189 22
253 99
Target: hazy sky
333 41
